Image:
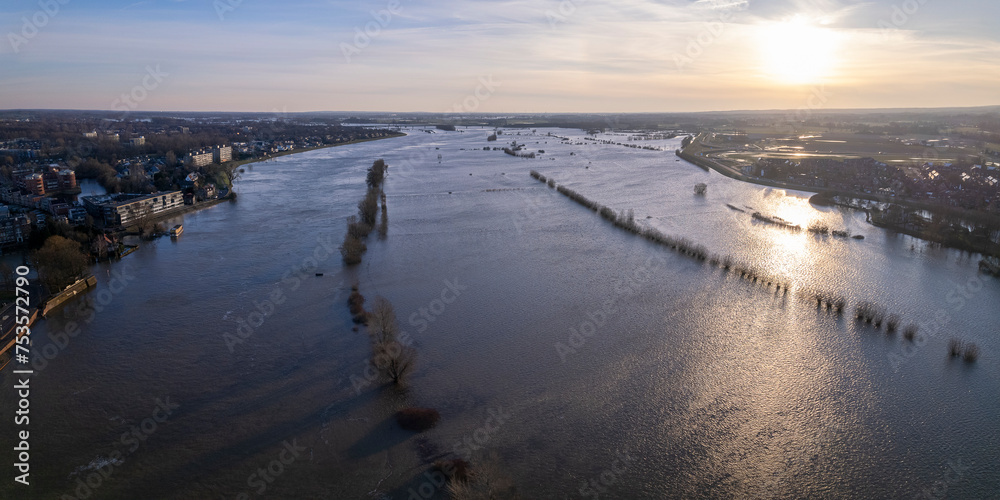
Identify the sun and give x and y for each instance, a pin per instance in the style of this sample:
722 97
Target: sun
796 51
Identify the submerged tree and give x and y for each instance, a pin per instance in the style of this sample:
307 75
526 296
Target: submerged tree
383 228
393 357
142 216
352 249
486 480
368 207
358 227
376 174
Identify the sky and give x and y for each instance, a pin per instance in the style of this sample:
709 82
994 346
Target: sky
498 56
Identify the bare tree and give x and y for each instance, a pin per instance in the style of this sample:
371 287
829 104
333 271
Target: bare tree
233 172
394 361
368 207
143 217
487 481
382 324
352 249
393 358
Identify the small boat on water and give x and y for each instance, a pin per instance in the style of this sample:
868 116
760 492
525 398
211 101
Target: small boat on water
176 231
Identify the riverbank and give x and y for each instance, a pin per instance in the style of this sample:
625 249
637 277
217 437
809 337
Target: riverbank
707 163
80 287
232 196
952 238
185 209
826 198
131 230
240 163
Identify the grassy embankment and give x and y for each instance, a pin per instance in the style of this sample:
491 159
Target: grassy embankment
697 153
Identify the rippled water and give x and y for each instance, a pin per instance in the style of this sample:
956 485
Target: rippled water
689 382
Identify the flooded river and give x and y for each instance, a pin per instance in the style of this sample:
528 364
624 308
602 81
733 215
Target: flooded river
566 352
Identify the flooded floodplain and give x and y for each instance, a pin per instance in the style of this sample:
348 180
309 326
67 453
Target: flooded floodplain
567 353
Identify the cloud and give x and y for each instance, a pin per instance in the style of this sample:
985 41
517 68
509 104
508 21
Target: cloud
553 55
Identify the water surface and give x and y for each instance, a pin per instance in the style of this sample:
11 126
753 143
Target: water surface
710 385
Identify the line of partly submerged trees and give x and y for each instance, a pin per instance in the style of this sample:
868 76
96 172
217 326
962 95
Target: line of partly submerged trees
361 225
393 357
864 312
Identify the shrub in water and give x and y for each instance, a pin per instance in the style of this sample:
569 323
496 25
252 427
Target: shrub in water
454 469
971 353
892 323
954 347
352 249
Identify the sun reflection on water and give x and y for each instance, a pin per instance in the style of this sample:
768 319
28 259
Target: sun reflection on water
797 211
791 252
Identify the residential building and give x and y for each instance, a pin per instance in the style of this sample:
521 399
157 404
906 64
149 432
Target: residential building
14 229
52 180
35 184
125 209
208 192
199 158
222 154
77 215
191 181
215 154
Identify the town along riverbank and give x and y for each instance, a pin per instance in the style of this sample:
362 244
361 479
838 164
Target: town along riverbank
948 226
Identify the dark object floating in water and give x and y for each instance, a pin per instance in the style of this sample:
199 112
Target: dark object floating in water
449 192
858 237
417 419
319 274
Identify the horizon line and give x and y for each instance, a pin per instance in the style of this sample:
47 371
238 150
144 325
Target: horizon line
499 113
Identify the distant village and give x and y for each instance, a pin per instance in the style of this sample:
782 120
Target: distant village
972 186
